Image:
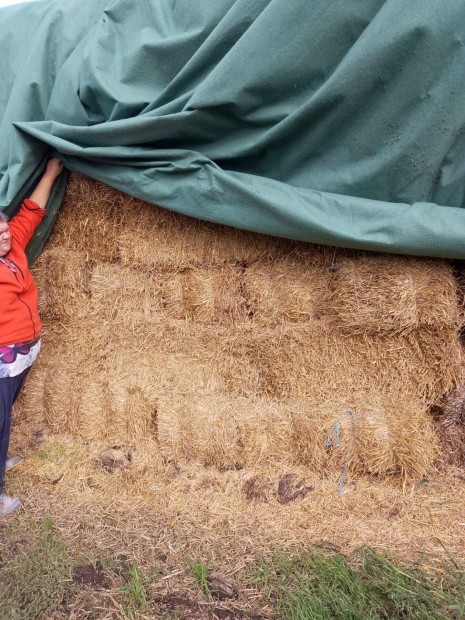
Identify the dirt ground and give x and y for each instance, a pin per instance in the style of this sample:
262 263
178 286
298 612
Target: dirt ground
125 506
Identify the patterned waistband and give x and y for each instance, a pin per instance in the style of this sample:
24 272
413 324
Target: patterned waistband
16 358
28 343
9 353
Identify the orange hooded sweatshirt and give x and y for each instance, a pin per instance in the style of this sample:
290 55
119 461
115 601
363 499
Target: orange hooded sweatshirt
19 314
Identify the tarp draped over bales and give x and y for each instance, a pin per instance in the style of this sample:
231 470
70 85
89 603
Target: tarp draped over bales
332 122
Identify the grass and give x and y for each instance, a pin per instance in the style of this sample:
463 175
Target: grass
366 586
35 569
135 592
200 572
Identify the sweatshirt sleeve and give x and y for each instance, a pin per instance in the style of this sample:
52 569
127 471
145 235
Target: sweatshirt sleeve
24 223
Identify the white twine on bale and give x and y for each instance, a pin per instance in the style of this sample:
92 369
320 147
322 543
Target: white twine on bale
332 441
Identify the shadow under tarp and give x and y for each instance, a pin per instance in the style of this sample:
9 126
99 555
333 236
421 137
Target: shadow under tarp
337 122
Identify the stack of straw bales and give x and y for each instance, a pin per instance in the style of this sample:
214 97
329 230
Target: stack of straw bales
233 348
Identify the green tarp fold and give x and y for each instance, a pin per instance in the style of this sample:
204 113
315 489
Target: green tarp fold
332 122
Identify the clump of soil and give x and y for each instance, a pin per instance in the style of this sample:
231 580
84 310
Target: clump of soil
290 489
37 439
90 575
220 587
115 458
181 604
257 488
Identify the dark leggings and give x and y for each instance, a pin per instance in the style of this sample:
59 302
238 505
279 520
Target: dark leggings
10 387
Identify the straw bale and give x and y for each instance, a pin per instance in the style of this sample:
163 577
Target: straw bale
204 296
222 431
119 406
52 393
389 435
288 361
63 280
111 225
313 360
90 219
123 296
193 243
376 293
30 408
428 362
153 342
77 387
288 289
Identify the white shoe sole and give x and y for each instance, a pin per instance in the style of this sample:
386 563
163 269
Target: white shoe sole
8 505
12 462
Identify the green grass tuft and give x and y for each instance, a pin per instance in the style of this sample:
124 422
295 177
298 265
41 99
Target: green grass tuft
367 586
200 572
34 569
134 591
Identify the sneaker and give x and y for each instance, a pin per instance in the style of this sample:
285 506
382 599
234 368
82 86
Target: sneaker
8 504
13 461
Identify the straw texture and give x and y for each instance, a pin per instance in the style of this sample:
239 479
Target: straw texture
233 349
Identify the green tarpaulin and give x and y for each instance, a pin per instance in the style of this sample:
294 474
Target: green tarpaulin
332 121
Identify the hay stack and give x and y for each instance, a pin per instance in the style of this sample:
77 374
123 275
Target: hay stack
232 348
